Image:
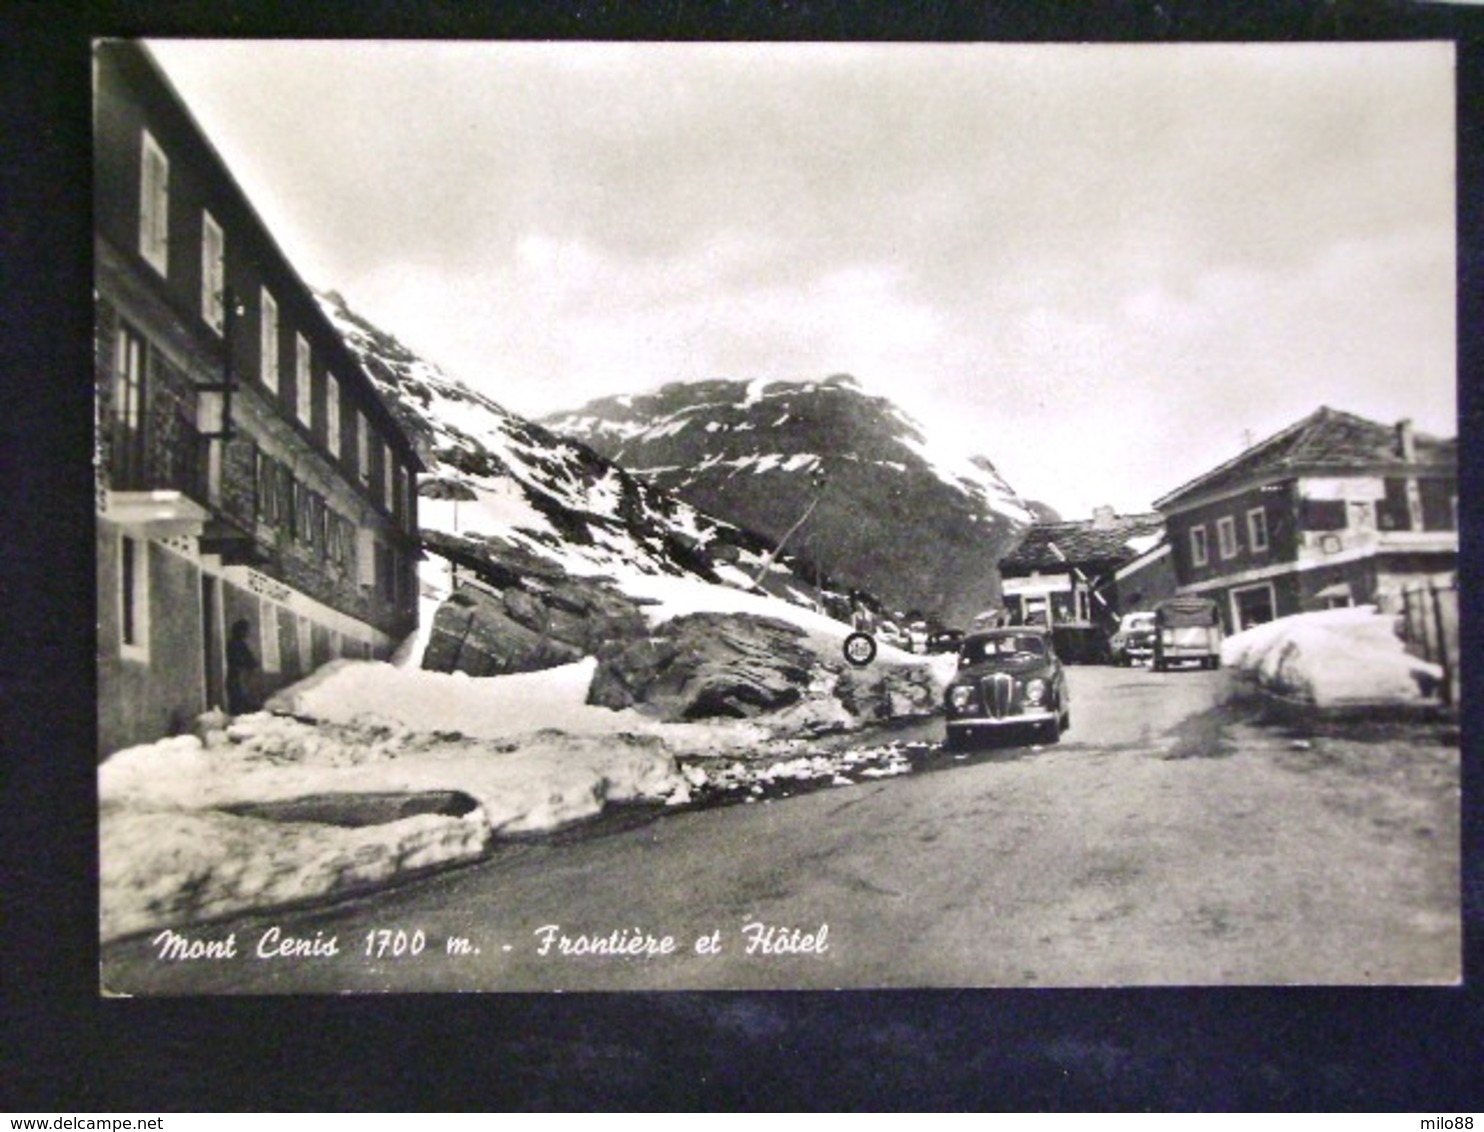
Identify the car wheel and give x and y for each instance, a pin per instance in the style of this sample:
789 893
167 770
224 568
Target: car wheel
1051 730
1066 720
955 740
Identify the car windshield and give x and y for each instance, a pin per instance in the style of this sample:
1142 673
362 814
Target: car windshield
989 648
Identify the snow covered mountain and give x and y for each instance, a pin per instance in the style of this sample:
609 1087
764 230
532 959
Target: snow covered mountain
536 502
888 509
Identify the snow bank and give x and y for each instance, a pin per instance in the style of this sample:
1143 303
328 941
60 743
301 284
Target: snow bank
489 708
165 868
1331 658
538 782
170 854
528 749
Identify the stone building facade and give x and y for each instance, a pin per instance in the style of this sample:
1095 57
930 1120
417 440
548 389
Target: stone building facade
1334 510
247 470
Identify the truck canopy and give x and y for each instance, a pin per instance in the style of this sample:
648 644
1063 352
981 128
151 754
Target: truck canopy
1186 612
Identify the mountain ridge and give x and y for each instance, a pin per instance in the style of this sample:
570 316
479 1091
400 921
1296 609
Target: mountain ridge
538 502
853 482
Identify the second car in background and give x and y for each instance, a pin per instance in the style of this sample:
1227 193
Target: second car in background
1133 643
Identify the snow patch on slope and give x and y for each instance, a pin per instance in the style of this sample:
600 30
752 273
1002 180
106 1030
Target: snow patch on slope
960 471
520 475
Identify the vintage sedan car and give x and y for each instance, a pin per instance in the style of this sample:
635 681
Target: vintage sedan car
1133 643
1009 681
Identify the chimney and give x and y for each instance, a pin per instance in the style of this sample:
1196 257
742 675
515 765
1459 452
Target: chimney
1406 442
1103 518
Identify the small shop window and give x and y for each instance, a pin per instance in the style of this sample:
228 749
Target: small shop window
268 619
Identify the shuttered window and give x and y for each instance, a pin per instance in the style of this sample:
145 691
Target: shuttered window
363 448
303 398
1257 529
1226 536
1199 554
366 558
332 414
213 273
268 341
154 205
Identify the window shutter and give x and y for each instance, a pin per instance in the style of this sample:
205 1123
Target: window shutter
213 273
332 414
365 558
303 394
363 447
268 341
154 204
265 488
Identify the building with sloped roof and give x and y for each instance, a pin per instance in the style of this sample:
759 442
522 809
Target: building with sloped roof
1063 572
256 500
1333 510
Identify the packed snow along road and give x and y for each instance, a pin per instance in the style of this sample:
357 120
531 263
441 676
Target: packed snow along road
198 827
1173 837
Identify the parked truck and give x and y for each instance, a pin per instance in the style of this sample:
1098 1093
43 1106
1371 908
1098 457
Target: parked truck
1187 629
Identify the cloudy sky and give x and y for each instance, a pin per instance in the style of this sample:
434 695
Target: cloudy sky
1104 267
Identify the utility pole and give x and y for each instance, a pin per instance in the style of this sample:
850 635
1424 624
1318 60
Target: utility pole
818 481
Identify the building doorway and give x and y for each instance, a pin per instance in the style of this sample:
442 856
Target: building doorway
1253 605
213 654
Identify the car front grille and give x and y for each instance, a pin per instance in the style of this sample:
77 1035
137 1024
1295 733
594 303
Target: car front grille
999 692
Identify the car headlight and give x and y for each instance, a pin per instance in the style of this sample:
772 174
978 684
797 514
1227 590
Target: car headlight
960 696
1035 691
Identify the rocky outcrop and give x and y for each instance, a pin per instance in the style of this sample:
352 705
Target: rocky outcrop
709 665
518 614
515 613
734 666
885 692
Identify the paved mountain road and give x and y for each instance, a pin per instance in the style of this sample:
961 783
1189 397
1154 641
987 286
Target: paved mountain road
1165 841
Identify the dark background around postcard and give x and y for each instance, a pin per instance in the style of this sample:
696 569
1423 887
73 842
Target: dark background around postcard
66 1050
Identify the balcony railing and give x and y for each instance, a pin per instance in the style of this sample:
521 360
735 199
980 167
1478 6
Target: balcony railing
164 452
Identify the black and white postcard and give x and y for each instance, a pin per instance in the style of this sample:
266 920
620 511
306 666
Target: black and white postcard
775 516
